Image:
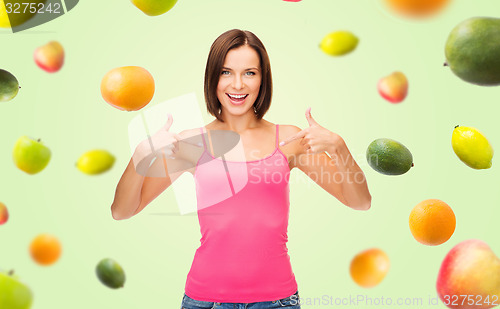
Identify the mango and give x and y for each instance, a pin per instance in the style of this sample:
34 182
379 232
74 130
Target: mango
472 51
9 86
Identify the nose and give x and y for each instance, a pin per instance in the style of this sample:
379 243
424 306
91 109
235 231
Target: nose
237 82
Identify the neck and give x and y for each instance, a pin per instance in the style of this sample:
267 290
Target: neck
239 123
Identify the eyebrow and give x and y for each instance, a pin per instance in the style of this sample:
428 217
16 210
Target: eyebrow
245 69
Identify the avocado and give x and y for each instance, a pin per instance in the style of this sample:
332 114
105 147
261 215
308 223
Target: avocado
389 157
473 51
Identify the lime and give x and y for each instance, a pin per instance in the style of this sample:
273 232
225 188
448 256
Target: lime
389 157
110 273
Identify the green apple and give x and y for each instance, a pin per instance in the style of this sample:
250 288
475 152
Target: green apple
13 293
154 7
30 156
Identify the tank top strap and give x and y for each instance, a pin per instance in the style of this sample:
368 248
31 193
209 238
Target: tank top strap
277 136
203 138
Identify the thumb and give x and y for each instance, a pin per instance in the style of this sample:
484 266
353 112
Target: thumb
167 126
309 118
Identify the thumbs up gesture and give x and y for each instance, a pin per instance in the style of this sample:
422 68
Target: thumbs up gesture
315 138
163 142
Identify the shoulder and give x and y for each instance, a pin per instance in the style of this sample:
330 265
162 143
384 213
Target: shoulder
194 135
292 149
289 128
189 132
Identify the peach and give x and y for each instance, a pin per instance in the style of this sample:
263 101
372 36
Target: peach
469 276
4 214
50 57
393 87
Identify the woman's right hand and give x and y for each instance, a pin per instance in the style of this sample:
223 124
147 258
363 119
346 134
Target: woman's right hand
163 142
146 175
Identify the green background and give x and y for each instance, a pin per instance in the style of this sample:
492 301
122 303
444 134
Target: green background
156 247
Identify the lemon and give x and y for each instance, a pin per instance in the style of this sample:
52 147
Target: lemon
95 161
339 43
472 147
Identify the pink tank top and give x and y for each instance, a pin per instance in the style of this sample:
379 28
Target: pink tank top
243 210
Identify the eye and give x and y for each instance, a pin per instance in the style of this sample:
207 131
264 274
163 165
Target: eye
251 73
224 72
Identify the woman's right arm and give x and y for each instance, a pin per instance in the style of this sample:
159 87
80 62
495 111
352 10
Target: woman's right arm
135 191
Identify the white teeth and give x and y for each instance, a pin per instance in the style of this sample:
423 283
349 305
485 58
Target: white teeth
241 96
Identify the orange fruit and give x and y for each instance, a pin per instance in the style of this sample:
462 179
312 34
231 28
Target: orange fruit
45 249
369 267
417 8
128 88
432 222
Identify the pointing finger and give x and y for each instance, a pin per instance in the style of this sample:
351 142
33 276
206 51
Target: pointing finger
309 118
167 126
293 137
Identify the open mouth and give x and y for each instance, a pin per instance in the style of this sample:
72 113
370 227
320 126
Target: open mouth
237 98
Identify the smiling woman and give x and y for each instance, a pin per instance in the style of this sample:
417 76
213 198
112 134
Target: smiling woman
240 79
243 205
238 66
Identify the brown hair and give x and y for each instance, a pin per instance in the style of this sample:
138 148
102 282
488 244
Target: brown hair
220 47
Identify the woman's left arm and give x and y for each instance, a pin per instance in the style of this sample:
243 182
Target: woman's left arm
337 173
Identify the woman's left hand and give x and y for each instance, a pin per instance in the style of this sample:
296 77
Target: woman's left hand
315 138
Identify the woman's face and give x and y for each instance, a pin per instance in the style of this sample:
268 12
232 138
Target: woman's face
239 81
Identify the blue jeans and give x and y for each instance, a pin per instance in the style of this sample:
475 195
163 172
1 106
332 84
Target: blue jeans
290 302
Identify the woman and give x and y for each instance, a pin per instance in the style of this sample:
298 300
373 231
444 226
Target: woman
243 205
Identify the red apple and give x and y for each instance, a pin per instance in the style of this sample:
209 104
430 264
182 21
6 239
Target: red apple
50 57
469 276
393 87
4 214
